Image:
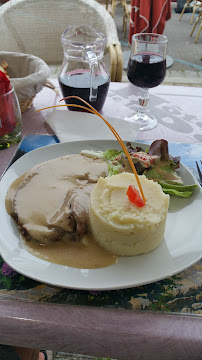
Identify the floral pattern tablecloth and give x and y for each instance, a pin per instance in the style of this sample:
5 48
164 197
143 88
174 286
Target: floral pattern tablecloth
181 293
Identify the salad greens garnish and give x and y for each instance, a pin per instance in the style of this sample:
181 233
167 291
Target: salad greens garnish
155 163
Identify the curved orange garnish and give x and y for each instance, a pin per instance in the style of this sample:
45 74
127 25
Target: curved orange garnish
94 111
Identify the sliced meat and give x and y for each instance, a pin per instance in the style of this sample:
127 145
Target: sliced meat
79 203
42 206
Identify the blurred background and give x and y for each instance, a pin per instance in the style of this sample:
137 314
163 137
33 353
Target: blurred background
186 54
184 60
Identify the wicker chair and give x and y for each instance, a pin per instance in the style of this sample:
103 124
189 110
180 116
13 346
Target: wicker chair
35 27
195 4
126 15
110 5
184 8
198 20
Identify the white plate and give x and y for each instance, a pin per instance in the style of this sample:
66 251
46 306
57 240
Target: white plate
181 247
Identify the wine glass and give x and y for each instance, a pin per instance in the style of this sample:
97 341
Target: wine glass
146 69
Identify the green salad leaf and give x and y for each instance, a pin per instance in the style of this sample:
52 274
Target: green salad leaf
112 154
113 169
178 190
163 173
113 157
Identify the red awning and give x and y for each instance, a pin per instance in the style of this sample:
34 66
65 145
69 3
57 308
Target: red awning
149 16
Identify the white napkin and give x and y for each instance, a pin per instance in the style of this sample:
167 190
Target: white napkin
76 126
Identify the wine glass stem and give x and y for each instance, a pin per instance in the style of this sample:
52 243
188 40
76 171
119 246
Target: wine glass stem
143 100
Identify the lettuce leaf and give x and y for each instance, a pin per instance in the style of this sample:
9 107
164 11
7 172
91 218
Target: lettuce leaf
185 194
166 174
113 169
178 190
112 154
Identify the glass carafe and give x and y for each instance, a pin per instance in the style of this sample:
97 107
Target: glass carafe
83 72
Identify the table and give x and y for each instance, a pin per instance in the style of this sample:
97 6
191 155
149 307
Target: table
141 323
149 16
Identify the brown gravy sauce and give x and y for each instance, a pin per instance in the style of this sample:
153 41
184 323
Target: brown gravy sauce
84 254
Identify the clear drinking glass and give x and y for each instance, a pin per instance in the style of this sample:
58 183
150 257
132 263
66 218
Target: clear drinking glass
10 119
146 69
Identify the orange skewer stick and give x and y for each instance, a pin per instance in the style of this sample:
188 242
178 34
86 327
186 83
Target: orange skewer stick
94 111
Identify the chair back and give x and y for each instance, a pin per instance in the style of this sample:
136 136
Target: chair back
35 26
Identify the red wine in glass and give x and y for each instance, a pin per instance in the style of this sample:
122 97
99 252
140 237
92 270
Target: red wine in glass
78 83
146 70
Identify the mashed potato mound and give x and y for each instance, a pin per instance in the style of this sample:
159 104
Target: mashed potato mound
121 227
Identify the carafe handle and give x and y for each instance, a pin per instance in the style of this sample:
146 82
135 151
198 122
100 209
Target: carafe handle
93 62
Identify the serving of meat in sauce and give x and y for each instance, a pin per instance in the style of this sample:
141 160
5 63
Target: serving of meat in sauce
50 204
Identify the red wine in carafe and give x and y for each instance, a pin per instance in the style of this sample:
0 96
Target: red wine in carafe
78 83
146 70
